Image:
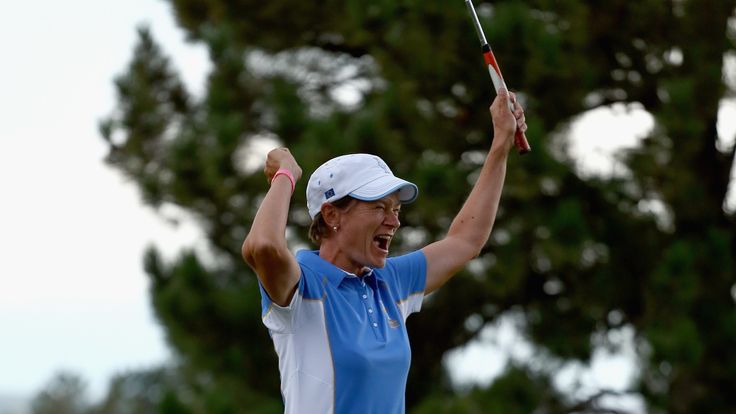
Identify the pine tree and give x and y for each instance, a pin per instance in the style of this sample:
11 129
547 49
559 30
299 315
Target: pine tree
578 256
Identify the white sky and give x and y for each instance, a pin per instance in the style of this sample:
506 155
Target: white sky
72 232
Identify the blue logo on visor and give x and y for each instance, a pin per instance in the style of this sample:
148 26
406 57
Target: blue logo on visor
329 193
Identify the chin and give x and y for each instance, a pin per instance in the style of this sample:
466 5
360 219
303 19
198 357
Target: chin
378 264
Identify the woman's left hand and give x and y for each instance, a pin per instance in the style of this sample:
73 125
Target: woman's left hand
505 122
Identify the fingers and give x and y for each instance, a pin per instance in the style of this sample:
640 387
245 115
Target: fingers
521 126
279 158
520 118
506 102
505 106
508 117
273 162
519 115
518 112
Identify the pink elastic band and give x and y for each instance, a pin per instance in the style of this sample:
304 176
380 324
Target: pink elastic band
288 174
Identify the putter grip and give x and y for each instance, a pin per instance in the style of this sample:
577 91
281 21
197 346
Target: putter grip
522 145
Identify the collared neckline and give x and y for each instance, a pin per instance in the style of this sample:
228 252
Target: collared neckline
334 274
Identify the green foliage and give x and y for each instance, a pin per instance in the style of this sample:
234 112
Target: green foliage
517 391
577 255
164 390
64 394
155 391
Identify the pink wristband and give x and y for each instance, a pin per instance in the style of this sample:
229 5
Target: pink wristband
288 174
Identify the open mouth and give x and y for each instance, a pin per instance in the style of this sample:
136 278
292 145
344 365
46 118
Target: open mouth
382 242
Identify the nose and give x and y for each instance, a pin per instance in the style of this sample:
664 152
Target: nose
392 220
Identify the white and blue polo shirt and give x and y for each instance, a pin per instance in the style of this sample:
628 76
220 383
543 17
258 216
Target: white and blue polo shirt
342 341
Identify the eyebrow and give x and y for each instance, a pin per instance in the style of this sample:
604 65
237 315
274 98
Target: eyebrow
388 202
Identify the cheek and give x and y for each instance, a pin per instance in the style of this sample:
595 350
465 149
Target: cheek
360 232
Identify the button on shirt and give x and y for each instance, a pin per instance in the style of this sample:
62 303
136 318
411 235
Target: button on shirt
342 342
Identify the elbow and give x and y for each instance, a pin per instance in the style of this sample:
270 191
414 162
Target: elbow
470 249
248 252
257 251
476 252
472 252
469 244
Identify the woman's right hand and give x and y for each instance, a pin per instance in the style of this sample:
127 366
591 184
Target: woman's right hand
281 158
265 248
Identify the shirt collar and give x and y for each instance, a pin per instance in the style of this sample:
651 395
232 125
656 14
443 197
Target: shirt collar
334 274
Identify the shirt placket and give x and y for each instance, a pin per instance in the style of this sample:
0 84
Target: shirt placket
368 297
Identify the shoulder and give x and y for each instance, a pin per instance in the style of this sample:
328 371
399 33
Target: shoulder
406 272
312 277
415 259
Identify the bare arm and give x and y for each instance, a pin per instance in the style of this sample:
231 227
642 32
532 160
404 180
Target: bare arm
265 248
472 225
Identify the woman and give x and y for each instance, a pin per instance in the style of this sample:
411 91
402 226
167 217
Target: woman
337 315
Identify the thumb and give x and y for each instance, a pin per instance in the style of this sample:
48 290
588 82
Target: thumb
502 99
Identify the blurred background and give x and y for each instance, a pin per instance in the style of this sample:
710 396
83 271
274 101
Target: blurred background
131 145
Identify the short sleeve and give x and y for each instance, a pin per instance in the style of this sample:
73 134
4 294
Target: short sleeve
407 277
280 319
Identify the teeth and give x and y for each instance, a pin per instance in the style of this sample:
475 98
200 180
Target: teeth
382 241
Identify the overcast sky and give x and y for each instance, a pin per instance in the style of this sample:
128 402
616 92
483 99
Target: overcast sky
72 231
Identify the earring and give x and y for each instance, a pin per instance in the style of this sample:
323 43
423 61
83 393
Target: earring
334 228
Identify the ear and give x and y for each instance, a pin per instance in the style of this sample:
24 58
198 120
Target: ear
330 214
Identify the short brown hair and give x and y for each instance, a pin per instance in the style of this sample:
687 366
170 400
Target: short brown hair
319 230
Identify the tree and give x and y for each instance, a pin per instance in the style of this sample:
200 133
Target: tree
64 394
579 256
153 391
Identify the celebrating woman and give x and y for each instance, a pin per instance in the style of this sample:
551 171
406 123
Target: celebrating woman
337 314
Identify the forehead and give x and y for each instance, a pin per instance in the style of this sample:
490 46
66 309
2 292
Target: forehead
392 199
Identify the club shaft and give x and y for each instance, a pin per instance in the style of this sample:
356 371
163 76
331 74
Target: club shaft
476 23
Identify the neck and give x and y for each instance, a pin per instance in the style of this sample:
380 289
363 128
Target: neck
330 252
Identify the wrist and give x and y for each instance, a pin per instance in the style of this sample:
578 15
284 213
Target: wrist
498 153
502 137
286 173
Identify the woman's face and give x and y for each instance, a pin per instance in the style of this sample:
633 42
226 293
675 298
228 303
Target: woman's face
366 230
